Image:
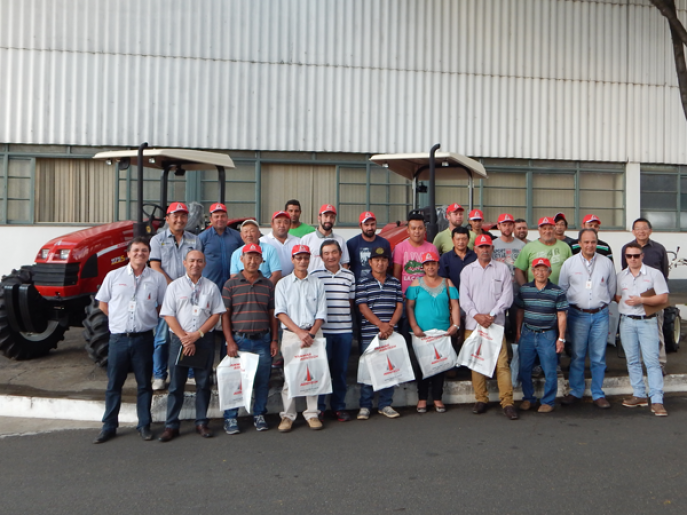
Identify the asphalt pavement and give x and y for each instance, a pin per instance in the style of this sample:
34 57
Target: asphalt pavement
575 460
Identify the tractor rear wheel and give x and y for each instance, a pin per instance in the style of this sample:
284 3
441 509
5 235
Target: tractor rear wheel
96 333
14 342
671 329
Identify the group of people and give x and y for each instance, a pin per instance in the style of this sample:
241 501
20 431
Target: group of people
280 292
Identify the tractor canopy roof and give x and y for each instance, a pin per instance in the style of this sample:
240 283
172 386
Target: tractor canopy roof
164 157
413 166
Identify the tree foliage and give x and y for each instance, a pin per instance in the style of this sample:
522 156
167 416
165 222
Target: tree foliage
678 34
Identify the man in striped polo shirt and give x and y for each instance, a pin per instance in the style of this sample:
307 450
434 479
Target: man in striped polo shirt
540 329
380 299
249 325
339 287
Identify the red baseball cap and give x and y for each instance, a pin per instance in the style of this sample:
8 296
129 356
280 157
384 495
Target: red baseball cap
217 207
476 214
327 208
251 247
541 262
454 207
300 249
545 220
559 216
482 240
428 256
364 217
277 214
177 207
591 218
505 217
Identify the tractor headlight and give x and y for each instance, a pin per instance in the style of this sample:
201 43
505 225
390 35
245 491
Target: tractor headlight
44 253
64 253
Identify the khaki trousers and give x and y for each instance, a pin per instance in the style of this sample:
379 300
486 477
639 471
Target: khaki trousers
503 378
290 345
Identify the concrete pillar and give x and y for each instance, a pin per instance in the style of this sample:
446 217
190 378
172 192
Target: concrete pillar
632 194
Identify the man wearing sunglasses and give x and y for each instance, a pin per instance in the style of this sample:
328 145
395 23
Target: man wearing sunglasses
640 291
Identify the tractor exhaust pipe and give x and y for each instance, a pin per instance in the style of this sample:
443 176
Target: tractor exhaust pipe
432 227
139 226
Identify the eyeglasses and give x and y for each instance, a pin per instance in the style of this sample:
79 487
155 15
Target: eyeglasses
632 256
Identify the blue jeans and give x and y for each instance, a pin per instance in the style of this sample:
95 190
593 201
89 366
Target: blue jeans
124 353
589 333
177 379
261 383
161 354
367 393
636 336
533 344
338 352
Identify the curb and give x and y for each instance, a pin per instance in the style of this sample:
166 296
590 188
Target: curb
455 392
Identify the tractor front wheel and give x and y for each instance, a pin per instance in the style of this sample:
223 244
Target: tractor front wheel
96 333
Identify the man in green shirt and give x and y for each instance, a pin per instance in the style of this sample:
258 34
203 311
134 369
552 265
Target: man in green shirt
298 228
444 240
547 246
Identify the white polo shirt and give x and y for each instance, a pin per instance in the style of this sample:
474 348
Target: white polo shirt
181 302
314 241
303 300
132 301
629 285
283 250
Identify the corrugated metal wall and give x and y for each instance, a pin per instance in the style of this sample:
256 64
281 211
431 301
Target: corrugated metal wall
542 79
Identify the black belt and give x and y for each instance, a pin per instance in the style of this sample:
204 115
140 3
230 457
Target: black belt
304 328
588 310
640 317
134 335
252 336
538 331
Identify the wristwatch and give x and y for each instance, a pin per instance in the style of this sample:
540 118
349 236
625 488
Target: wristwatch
456 326
201 333
561 340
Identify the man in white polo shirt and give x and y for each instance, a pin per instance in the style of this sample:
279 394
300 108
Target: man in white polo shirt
281 240
325 223
339 287
639 331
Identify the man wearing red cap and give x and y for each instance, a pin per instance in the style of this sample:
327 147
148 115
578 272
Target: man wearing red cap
281 240
486 291
476 218
540 330
360 246
271 265
219 243
443 241
603 248
506 250
168 250
325 223
546 246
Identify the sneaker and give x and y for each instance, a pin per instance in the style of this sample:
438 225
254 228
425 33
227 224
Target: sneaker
545 408
342 416
285 425
525 405
635 402
389 412
314 423
231 426
363 414
260 423
191 381
659 410
278 363
159 384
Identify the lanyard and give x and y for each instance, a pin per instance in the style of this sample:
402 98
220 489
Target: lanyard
194 289
589 270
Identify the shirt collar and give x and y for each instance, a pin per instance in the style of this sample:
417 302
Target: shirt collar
322 236
642 270
130 271
243 279
294 278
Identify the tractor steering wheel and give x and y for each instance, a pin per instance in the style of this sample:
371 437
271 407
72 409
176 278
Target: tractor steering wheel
149 210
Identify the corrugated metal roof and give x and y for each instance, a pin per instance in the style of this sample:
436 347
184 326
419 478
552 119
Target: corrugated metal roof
542 79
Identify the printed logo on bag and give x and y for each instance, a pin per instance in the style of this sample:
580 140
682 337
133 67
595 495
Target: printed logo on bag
478 353
390 367
309 379
240 390
484 334
438 357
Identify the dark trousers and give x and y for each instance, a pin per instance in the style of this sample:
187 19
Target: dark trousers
437 383
177 381
135 353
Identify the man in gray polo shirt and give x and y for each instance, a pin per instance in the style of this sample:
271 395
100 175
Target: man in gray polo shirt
131 297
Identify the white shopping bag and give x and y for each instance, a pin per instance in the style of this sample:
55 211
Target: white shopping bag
363 372
307 373
388 362
481 350
515 365
235 378
613 321
434 352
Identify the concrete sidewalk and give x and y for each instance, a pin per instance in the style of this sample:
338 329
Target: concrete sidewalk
67 385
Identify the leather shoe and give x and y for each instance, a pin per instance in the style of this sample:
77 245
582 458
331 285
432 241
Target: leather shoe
204 431
146 433
479 408
511 412
569 399
105 435
168 434
602 403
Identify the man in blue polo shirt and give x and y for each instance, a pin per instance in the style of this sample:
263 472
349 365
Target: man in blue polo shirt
451 263
219 243
270 267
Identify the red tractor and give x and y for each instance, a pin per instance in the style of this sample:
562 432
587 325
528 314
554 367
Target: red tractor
39 302
423 167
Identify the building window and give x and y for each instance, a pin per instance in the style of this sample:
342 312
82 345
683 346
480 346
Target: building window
240 189
16 185
664 196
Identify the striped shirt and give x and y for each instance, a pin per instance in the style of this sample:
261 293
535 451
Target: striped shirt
249 304
541 306
602 248
382 300
339 289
